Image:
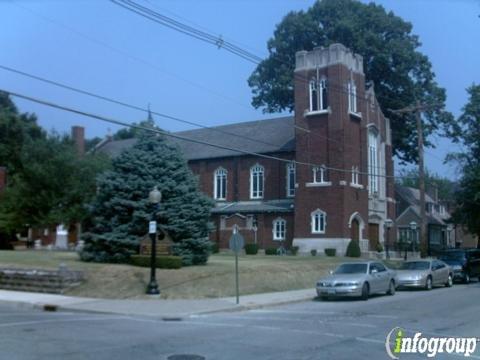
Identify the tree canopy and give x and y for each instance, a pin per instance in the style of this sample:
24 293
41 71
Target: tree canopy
121 211
444 185
48 183
400 72
468 194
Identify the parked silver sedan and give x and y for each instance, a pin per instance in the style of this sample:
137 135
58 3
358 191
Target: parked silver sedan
424 274
359 279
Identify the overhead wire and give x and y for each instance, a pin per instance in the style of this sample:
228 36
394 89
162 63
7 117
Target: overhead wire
163 115
178 136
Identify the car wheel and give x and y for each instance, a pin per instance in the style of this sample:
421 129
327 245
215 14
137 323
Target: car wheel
391 288
449 281
466 279
428 283
365 291
324 298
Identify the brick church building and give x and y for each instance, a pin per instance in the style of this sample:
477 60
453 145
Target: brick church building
336 189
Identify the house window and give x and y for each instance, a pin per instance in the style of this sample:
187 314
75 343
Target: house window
352 97
320 174
318 95
355 177
319 221
279 229
256 182
291 179
372 162
220 184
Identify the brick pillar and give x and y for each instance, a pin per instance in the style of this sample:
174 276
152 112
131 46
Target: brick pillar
78 136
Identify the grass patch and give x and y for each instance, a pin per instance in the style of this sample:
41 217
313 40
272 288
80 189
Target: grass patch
258 274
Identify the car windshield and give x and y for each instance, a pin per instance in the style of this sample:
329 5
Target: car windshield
452 255
351 269
415 265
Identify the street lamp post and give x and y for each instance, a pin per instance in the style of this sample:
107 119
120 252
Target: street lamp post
154 198
413 227
388 224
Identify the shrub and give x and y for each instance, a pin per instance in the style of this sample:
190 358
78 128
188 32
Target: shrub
294 250
379 247
214 248
270 251
161 262
353 249
330 252
313 252
193 251
251 249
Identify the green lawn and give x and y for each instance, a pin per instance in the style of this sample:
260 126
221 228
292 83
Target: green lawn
258 273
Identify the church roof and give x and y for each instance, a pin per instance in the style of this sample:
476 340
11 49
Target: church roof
260 136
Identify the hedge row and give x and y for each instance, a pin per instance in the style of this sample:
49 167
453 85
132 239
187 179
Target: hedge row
162 262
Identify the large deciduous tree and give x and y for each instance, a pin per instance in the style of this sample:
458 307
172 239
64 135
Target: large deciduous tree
468 194
48 183
400 72
121 211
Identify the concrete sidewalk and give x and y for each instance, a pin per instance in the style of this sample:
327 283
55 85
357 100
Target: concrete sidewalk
155 307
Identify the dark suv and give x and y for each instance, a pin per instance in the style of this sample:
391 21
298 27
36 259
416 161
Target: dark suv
464 262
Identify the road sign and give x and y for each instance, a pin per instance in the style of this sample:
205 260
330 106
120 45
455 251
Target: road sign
236 243
152 227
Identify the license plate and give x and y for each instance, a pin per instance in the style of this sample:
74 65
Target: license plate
330 291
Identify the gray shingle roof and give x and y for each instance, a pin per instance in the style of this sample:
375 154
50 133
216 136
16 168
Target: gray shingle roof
281 205
261 136
411 195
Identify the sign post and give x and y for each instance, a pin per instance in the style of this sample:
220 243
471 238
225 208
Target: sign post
236 245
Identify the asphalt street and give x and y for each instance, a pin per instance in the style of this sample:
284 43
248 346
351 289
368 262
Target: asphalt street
342 329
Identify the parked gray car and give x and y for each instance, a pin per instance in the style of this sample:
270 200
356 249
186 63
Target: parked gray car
360 279
424 274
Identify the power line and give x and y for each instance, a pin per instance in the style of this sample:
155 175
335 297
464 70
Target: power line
129 56
101 43
148 111
218 41
134 107
181 137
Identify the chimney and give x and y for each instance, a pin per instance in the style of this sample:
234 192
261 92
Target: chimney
3 178
78 136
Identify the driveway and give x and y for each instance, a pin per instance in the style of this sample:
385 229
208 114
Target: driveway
344 329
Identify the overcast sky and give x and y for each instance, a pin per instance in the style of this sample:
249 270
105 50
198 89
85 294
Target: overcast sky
100 47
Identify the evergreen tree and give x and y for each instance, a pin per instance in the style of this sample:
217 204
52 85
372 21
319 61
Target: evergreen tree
121 211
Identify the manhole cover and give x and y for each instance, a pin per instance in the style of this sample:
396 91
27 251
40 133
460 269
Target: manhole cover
185 357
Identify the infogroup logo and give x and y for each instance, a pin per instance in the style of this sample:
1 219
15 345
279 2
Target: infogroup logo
397 343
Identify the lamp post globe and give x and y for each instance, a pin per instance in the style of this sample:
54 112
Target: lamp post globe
154 197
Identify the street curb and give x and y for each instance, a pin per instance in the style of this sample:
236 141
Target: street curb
241 307
71 308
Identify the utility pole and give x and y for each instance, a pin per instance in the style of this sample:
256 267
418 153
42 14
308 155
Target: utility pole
417 109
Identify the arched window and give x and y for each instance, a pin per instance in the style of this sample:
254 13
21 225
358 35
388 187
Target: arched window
220 184
291 179
318 221
320 174
279 229
318 95
256 181
372 161
352 97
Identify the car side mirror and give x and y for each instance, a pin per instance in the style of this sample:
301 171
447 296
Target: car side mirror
373 271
